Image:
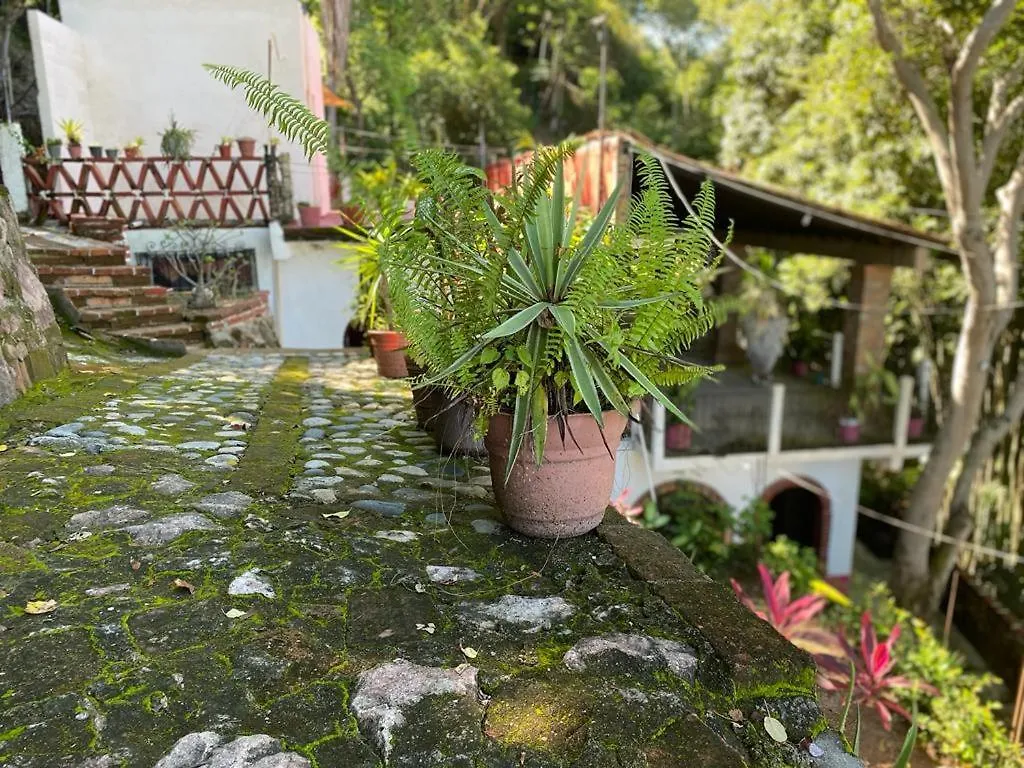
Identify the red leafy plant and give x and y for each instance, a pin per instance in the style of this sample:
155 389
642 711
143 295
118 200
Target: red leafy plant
793 619
872 667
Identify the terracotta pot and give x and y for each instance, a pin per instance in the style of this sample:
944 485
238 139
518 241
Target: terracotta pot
309 216
849 430
678 437
131 153
388 350
915 427
567 494
801 369
75 151
247 147
224 150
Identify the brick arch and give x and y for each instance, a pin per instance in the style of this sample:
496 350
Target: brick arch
824 518
697 486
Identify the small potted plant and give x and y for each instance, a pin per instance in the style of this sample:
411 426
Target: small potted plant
553 328
915 425
224 148
247 147
679 434
111 153
73 132
176 142
849 424
309 215
133 149
96 151
873 392
53 148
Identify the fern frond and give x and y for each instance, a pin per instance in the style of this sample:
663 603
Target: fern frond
286 113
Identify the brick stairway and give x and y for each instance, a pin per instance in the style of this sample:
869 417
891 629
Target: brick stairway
108 294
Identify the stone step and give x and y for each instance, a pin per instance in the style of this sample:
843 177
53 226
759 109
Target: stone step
113 318
79 276
111 256
108 296
190 333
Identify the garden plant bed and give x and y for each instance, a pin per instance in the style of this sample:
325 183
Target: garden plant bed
260 557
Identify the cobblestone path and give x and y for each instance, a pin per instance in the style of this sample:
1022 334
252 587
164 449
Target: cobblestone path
258 561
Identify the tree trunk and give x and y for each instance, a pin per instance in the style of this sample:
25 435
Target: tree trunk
912 576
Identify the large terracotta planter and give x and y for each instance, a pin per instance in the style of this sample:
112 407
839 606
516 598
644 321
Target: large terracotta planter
389 352
309 215
567 494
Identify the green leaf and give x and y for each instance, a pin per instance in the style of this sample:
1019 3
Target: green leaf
500 378
649 386
903 760
558 206
536 341
515 260
539 422
488 356
582 378
597 229
517 322
565 318
607 386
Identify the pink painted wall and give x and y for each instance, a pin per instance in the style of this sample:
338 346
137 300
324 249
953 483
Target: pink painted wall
312 70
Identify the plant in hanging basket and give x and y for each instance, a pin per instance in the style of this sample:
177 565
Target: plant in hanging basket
551 324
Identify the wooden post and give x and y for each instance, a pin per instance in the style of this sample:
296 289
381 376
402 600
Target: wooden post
775 416
1018 707
836 374
657 434
950 607
901 422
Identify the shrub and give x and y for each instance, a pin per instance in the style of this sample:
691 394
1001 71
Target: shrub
784 554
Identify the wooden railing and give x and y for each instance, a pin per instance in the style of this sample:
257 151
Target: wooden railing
150 191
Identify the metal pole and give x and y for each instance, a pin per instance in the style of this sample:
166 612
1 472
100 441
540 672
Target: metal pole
950 607
602 36
1018 709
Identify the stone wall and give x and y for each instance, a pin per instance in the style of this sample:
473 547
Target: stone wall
30 343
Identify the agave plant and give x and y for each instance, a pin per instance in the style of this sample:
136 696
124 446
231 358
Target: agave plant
871 667
793 619
515 301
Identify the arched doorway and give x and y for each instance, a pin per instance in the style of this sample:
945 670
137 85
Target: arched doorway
801 512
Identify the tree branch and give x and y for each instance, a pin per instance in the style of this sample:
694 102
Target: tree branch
997 126
916 88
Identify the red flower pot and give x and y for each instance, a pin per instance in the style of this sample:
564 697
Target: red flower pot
801 369
389 352
309 216
224 150
567 493
915 427
247 147
849 430
75 151
678 437
131 153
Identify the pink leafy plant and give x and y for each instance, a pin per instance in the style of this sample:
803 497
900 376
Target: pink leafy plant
793 619
872 665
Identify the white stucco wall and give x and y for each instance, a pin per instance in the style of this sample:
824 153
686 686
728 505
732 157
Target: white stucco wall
62 76
739 480
123 66
256 238
10 165
317 295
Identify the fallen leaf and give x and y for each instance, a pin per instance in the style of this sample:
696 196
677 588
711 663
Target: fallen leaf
461 668
469 653
37 607
182 584
339 515
775 729
234 613
136 565
4 594
736 715
428 628
3 447
420 588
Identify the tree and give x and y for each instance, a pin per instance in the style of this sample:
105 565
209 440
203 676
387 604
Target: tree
984 195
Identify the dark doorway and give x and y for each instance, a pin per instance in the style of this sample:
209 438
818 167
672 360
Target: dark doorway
798 516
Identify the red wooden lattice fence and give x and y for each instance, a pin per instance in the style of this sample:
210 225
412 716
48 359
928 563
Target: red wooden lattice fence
151 191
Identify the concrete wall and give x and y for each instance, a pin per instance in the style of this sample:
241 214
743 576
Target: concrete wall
316 296
62 65
10 166
740 480
123 66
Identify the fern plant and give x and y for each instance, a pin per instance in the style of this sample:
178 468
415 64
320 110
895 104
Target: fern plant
286 113
506 299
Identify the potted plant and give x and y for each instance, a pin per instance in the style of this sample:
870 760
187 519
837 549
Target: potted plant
247 147
679 433
764 323
554 329
73 133
224 148
915 425
111 153
176 142
873 391
309 215
53 147
133 148
96 151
